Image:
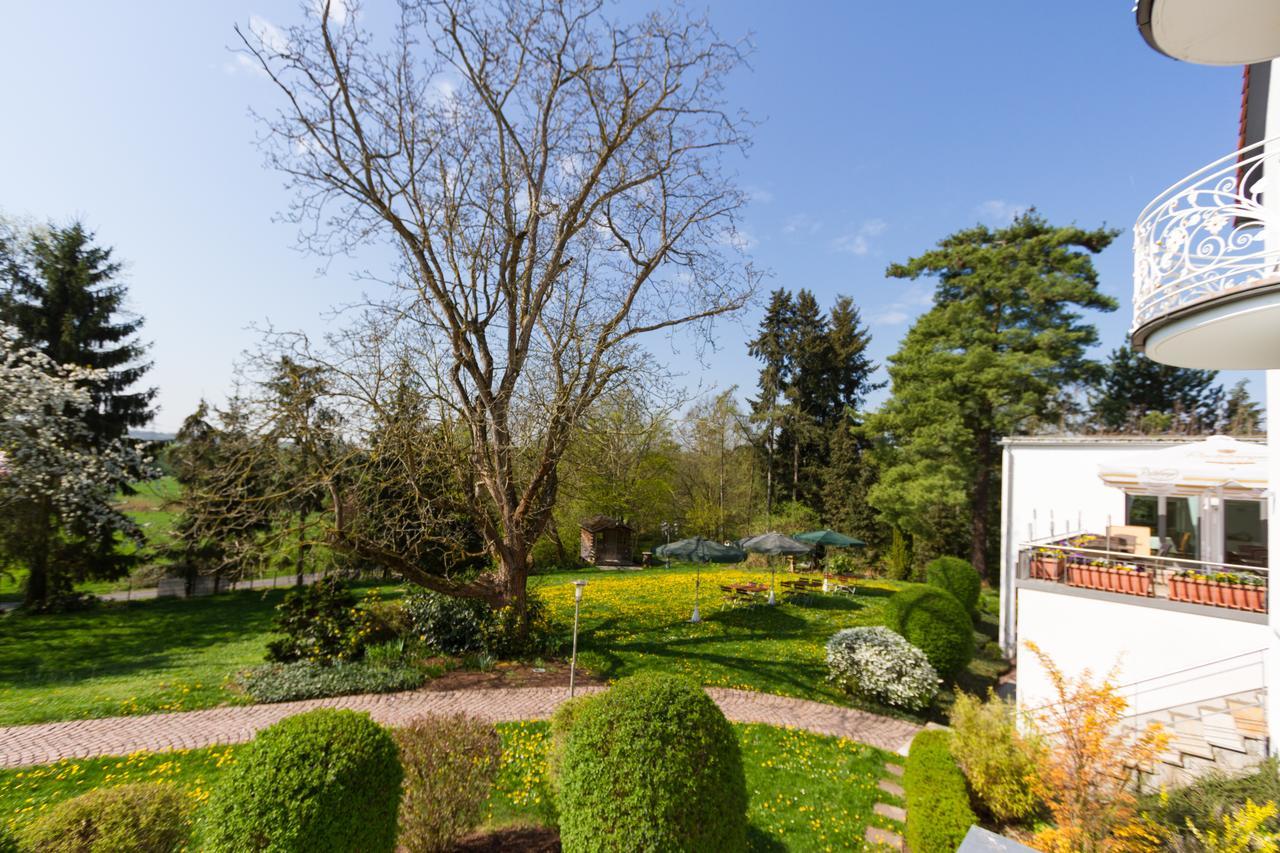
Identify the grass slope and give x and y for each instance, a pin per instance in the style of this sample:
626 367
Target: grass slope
807 792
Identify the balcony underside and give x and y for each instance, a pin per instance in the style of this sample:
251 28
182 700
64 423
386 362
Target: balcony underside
1212 32
1232 331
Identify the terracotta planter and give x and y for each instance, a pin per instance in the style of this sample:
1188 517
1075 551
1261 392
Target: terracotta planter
1216 594
1109 580
1047 568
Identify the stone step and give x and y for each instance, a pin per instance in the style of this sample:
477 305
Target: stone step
892 812
884 838
894 769
891 788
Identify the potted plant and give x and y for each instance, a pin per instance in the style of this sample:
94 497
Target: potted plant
1220 589
1127 578
1047 564
1087 573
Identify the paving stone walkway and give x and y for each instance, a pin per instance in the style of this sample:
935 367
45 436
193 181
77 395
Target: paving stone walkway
48 742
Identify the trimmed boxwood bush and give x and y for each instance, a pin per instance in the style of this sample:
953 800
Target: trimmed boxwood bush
933 621
938 812
957 577
651 765
145 817
449 766
326 780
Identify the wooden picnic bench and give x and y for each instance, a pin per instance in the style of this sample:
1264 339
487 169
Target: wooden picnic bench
742 592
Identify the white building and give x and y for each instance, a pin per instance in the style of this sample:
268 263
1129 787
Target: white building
1187 652
1207 250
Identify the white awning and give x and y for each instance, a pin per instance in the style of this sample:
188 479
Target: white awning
1219 464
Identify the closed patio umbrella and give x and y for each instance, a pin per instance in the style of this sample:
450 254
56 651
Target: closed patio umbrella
771 545
699 551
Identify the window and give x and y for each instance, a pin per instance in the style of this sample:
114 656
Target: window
1245 532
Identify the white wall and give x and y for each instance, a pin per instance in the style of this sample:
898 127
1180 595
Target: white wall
1054 489
1079 633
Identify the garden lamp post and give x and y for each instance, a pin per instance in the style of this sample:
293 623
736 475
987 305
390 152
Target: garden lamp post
573 661
668 528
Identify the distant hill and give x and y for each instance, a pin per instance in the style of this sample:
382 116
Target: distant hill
150 435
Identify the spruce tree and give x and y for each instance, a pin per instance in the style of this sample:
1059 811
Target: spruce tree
1243 416
67 301
992 358
1134 387
771 346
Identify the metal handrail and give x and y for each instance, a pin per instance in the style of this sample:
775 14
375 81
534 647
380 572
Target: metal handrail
1182 562
1204 236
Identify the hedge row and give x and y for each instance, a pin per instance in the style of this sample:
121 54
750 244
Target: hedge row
938 812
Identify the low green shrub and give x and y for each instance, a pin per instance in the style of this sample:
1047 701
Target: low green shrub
544 637
1212 796
144 817
938 812
320 623
285 682
446 624
957 577
651 765
1001 764
459 626
449 767
326 780
562 722
932 620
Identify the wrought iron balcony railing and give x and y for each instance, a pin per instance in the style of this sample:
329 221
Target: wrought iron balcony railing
1205 237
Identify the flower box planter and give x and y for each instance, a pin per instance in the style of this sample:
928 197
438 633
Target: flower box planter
1218 594
1129 582
1047 568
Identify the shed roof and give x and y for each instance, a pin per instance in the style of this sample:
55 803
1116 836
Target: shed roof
596 523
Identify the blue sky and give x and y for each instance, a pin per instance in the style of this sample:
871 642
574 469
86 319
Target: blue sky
885 127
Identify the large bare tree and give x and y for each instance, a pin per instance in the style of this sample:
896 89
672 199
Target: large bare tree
554 185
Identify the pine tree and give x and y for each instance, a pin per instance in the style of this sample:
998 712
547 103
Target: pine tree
771 346
66 300
991 358
1135 387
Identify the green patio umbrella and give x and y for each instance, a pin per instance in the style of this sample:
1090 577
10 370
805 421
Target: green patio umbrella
829 539
772 544
699 551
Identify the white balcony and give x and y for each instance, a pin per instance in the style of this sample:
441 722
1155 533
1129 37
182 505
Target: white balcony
1206 266
1211 32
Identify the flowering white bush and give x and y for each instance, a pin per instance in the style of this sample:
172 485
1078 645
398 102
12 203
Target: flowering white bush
53 480
878 664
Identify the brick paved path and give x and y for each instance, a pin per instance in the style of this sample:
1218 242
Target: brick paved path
48 742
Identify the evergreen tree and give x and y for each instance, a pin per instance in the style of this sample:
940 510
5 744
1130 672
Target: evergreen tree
226 509
1135 387
772 347
1243 416
65 299
991 358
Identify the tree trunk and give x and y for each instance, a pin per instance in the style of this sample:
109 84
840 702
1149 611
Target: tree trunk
980 505
514 557
37 592
300 560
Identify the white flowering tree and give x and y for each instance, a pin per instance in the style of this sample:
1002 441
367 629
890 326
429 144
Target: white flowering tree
55 487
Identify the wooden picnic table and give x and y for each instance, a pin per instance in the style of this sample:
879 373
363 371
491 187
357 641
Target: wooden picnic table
743 591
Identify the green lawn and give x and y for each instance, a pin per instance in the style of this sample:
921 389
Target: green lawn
807 792
171 654
131 657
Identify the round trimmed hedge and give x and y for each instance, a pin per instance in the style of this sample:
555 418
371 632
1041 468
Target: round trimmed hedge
651 765
146 817
932 620
957 577
326 780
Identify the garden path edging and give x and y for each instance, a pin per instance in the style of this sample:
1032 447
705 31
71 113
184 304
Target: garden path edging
45 743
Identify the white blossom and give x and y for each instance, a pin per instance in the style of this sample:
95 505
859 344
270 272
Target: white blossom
877 663
44 454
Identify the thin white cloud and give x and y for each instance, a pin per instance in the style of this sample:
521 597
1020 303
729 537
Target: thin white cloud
890 317
272 38
914 297
999 212
739 239
801 223
859 240
759 195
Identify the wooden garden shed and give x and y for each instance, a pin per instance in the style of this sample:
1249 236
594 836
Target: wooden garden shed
606 541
